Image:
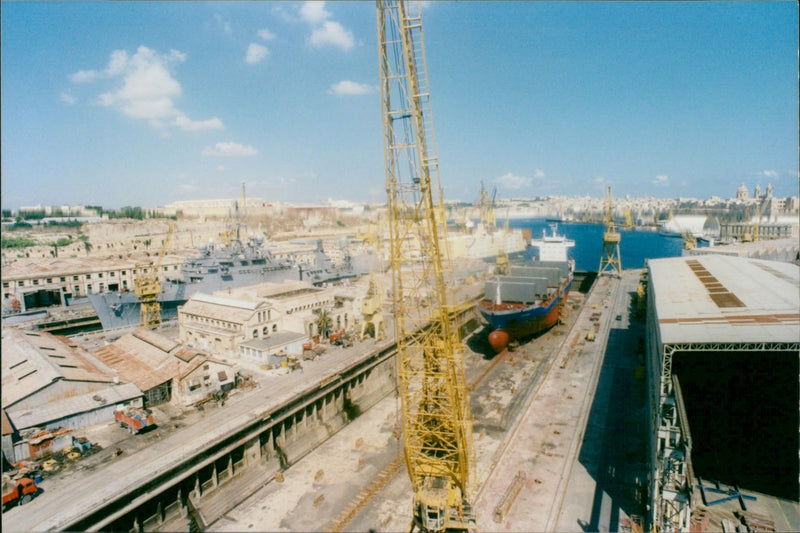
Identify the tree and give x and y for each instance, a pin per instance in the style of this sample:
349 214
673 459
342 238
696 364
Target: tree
323 322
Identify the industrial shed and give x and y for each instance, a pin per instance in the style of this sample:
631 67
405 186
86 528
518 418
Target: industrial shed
44 375
723 341
164 369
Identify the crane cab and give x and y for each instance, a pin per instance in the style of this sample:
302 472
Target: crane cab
440 507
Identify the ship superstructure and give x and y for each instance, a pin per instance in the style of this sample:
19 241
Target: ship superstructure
527 300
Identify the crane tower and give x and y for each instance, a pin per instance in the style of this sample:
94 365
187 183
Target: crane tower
610 261
436 418
147 285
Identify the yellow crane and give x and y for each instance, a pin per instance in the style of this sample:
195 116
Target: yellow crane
436 418
610 260
147 285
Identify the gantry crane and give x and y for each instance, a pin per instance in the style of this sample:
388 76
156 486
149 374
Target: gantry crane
147 285
610 260
436 419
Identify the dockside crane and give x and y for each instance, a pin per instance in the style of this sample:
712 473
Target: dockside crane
436 418
147 285
610 260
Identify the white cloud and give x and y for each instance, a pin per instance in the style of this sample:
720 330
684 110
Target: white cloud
265 34
512 181
769 174
67 98
84 76
223 24
332 33
349 88
314 12
148 88
661 179
599 180
538 174
187 124
229 149
220 168
256 53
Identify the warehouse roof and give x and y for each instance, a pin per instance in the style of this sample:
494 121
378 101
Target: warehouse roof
220 308
718 298
149 359
33 360
75 405
276 339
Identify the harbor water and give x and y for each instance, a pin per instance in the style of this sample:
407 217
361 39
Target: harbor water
636 245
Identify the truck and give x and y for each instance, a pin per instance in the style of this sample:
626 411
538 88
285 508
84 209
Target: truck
18 491
340 338
135 419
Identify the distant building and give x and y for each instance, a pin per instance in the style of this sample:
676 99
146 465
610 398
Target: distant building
741 192
218 208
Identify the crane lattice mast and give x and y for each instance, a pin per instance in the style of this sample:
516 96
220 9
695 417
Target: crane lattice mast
611 260
437 425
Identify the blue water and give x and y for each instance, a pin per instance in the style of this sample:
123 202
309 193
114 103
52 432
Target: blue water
635 245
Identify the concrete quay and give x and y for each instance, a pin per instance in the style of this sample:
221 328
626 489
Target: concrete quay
95 499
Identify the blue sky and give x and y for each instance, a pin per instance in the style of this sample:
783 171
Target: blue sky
145 103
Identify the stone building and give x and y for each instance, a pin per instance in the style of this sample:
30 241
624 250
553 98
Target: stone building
55 281
219 324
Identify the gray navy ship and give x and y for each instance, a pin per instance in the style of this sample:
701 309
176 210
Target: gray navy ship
219 267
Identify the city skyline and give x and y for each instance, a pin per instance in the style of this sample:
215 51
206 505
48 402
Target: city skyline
149 103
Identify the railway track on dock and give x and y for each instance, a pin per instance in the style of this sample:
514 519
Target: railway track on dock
395 466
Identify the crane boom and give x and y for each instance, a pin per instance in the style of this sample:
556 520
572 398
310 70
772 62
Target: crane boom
437 425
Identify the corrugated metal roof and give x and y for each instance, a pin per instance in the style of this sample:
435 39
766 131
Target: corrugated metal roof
33 360
75 405
718 298
148 359
139 361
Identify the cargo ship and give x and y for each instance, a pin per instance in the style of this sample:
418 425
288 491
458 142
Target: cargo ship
528 298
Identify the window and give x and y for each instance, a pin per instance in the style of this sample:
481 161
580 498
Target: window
20 283
123 272
36 282
274 328
205 367
99 274
63 278
5 284
113 274
49 280
88 288
255 333
74 278
76 289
